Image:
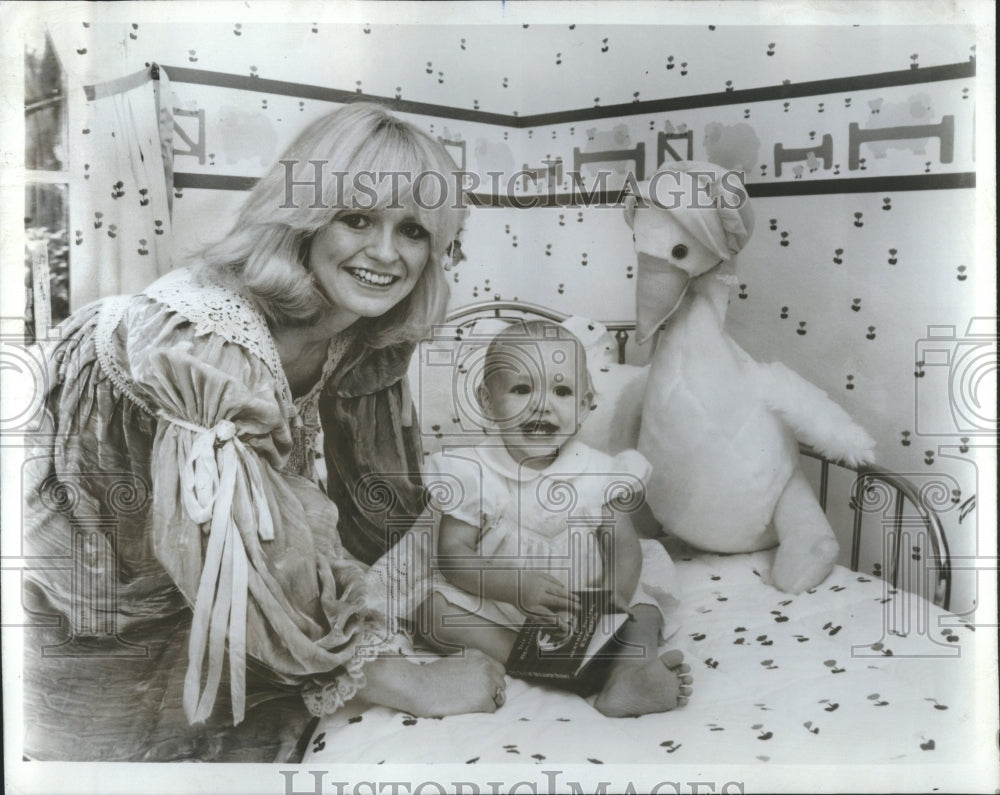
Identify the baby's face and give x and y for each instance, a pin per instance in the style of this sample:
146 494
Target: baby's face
538 399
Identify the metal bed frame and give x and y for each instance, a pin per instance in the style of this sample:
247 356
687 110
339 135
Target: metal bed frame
874 488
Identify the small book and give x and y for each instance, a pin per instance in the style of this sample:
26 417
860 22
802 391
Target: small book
575 659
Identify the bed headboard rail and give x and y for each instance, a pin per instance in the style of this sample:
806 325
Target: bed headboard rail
904 508
511 310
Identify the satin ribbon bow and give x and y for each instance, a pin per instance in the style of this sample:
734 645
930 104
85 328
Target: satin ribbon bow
216 459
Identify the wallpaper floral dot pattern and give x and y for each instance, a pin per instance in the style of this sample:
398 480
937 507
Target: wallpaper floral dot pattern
850 288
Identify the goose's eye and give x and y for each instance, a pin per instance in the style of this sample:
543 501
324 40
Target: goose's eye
680 251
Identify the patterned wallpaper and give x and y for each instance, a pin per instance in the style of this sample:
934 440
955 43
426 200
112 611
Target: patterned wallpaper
844 283
513 68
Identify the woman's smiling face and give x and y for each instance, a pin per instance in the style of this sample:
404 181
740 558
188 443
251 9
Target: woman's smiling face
367 261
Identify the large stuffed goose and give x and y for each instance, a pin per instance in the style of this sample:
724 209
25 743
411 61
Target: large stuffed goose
720 429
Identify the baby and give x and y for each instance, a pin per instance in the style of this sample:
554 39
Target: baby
504 546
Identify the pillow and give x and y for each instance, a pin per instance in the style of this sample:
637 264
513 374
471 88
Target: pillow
613 424
600 344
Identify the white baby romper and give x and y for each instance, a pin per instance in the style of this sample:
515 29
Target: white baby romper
546 518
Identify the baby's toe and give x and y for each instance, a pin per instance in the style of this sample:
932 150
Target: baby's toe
672 658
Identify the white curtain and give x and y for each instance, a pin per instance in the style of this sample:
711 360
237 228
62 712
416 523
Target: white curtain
120 209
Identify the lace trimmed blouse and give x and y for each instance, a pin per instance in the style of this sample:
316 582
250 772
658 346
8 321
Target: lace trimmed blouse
179 394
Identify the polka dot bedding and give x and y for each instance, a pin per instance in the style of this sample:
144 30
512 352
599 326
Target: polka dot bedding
853 670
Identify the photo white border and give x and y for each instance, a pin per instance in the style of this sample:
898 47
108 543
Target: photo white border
40 777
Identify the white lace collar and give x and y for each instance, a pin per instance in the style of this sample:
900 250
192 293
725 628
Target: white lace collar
214 308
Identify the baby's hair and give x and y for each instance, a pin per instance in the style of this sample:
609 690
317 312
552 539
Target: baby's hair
527 335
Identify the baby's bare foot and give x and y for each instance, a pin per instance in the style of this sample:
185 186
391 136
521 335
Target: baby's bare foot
639 688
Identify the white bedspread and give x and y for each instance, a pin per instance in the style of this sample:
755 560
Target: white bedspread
814 678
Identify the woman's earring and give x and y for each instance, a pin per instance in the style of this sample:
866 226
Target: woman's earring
454 251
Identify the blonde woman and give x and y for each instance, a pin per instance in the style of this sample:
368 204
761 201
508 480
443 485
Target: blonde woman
213 585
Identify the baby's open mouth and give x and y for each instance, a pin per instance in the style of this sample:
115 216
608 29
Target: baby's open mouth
371 278
540 428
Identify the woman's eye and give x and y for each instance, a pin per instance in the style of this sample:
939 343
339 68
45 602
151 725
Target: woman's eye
563 391
680 251
413 231
520 389
354 220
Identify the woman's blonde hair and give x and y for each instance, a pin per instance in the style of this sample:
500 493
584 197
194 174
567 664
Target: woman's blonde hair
265 253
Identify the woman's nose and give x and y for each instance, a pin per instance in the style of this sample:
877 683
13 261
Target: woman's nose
381 245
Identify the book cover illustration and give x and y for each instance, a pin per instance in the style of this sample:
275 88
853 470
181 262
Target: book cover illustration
575 658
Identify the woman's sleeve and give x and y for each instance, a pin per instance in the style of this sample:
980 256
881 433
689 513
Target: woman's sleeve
254 551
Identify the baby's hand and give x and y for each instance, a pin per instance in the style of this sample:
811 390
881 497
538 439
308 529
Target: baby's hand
562 625
544 596
566 622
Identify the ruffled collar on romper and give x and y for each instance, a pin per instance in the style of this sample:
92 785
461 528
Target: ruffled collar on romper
572 461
